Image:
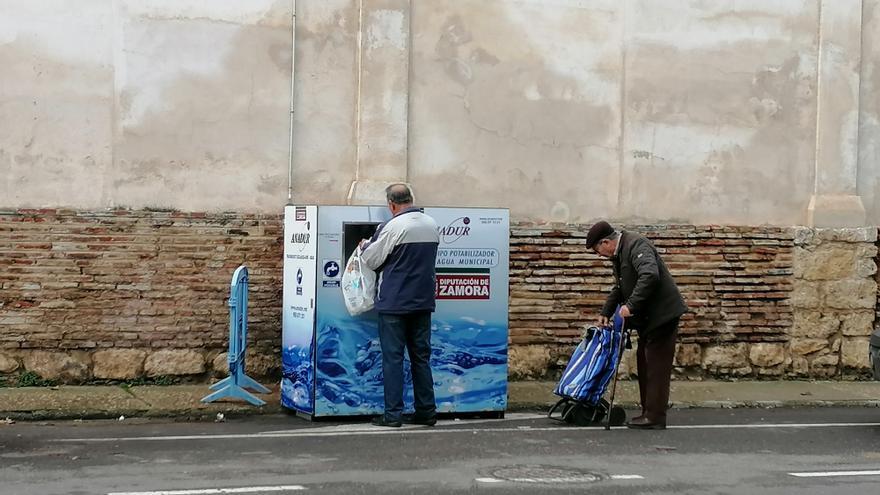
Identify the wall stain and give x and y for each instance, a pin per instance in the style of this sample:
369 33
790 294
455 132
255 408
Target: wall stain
531 103
502 113
53 117
239 114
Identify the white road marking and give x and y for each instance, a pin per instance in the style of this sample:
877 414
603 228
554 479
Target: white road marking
209 491
557 480
770 425
507 417
829 474
489 480
368 430
359 427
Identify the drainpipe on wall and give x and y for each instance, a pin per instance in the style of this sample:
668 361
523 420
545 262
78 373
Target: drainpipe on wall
292 72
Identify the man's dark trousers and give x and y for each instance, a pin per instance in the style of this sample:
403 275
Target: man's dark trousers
413 332
654 359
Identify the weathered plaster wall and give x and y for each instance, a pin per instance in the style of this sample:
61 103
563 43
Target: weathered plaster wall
121 102
56 102
200 104
325 135
869 118
720 102
574 110
563 110
517 104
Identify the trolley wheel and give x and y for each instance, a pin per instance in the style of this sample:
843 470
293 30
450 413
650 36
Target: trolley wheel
617 416
585 415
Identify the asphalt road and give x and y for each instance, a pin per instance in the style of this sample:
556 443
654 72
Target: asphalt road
740 451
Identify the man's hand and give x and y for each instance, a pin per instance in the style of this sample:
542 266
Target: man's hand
624 311
603 321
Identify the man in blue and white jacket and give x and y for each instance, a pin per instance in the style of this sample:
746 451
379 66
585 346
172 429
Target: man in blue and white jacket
404 251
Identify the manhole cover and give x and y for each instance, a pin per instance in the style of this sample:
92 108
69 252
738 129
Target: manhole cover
544 474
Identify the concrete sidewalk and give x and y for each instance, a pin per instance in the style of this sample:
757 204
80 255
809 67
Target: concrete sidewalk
183 401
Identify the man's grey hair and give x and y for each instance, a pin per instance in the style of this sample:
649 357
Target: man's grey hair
399 194
611 237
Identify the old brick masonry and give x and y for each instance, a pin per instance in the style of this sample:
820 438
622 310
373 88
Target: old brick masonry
122 294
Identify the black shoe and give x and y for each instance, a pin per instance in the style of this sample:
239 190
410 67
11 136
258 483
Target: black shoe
411 419
381 421
645 424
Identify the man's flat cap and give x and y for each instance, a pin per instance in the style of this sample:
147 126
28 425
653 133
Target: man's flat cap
598 231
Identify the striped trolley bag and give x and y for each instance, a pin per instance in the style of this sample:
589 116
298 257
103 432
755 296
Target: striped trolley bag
592 367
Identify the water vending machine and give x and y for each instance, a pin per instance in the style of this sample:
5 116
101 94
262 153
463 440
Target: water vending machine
332 362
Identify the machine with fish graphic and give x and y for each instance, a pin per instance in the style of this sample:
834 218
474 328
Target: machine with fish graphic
332 362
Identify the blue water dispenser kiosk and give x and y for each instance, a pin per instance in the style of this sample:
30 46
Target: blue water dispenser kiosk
332 362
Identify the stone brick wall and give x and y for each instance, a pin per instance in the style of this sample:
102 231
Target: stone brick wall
122 294
764 301
877 279
835 301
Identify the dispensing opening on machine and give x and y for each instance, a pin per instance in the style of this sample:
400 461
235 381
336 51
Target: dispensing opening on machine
353 233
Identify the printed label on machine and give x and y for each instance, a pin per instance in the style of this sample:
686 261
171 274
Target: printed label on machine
467 257
463 285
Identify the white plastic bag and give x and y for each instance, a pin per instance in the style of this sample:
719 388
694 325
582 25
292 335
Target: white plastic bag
358 285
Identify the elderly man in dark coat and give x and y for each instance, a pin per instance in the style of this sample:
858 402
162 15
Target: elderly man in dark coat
650 302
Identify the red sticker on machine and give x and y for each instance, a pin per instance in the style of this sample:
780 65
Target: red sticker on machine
462 286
